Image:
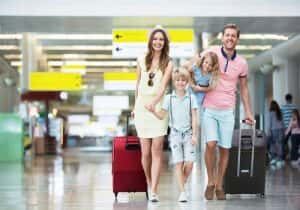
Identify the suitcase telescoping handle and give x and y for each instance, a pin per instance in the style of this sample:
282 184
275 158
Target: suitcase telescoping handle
252 149
130 144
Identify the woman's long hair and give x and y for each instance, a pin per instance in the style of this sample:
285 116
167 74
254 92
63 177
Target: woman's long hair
164 56
275 108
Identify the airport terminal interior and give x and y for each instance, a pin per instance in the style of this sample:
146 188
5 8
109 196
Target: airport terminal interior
67 85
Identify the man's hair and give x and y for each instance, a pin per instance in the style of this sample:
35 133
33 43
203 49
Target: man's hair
232 26
289 97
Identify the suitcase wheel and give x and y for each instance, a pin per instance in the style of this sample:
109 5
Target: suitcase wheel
116 195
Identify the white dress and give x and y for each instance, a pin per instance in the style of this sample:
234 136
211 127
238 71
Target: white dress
147 125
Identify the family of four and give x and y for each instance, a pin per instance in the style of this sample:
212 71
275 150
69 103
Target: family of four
204 91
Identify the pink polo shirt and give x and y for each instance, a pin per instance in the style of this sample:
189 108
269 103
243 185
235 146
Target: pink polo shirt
224 95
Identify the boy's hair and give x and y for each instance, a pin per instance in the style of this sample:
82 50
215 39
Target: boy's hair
232 26
181 73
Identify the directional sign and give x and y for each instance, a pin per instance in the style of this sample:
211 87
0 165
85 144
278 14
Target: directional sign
130 43
130 36
54 81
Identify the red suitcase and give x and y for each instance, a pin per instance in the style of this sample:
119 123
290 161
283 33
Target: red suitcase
127 171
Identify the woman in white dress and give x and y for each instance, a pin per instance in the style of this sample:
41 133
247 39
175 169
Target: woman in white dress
153 76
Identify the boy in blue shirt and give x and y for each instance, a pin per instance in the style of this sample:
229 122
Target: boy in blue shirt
181 106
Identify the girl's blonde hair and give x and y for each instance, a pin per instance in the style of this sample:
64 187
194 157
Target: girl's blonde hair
215 70
181 72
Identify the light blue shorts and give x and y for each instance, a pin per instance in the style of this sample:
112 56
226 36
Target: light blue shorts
181 146
217 125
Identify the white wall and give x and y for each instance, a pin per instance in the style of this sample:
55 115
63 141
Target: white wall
196 8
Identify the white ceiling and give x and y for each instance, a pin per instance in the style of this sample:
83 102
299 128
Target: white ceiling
191 8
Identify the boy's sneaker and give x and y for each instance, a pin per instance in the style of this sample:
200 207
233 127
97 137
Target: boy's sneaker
220 194
182 197
154 197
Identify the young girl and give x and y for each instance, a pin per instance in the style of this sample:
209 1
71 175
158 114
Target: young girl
181 106
205 74
294 128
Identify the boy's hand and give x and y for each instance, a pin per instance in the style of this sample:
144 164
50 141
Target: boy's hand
149 108
194 140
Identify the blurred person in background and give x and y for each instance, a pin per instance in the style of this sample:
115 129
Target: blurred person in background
275 134
286 111
294 130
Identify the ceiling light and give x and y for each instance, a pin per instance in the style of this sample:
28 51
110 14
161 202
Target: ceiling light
16 63
80 47
75 36
78 56
247 55
10 36
264 36
13 56
253 47
101 70
260 36
250 47
80 71
93 63
9 47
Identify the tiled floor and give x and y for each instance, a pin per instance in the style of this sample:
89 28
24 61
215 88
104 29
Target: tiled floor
82 180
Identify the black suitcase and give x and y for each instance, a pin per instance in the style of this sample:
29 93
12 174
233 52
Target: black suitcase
246 167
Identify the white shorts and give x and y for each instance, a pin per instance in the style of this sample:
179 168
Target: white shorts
181 146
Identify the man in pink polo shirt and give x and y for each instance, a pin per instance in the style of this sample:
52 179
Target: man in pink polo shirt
219 108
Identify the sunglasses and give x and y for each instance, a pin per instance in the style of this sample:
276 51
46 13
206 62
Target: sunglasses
150 81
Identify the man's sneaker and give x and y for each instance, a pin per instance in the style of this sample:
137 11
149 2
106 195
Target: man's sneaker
182 197
220 194
154 197
209 192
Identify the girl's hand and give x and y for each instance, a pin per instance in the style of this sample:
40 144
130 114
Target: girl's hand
132 114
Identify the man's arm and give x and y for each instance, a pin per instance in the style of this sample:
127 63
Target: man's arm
246 100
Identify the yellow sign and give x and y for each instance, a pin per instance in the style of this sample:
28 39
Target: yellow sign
119 76
47 81
141 35
130 35
181 35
